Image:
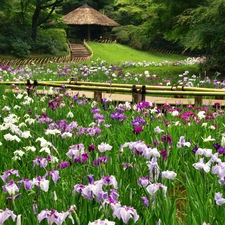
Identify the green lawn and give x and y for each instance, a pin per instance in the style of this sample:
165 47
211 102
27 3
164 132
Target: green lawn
117 53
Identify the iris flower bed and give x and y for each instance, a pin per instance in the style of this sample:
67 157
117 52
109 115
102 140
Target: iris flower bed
125 73
69 160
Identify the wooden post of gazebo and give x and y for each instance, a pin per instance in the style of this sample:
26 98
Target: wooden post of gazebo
89 32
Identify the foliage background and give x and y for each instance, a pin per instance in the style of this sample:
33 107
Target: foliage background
195 27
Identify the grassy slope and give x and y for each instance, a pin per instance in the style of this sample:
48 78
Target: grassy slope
117 53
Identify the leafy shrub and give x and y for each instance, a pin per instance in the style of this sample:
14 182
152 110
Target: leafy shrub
51 41
121 34
15 39
20 49
4 46
134 36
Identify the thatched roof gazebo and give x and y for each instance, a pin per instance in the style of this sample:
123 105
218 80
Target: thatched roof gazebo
86 15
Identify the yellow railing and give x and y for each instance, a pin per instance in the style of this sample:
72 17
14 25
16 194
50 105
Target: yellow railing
138 92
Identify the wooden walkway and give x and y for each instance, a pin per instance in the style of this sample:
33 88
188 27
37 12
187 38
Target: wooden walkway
153 99
79 51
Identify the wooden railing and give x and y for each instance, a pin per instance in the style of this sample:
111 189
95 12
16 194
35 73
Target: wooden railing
138 93
106 41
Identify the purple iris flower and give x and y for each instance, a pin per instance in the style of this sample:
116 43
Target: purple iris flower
98 116
137 129
11 188
195 149
144 105
181 143
93 131
113 194
42 183
102 195
54 174
53 104
91 147
127 165
5 214
28 184
62 125
39 161
100 160
110 180
75 151
221 150
84 157
216 146
145 201
138 122
156 143
78 188
63 165
52 216
164 154
44 119
126 213
14 197
143 181
91 178
216 105
95 110
76 97
118 116
167 139
8 173
120 109
71 126
53 126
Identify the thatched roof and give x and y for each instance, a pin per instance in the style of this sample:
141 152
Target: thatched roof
85 15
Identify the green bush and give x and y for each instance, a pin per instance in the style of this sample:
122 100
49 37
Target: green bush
121 34
15 39
4 46
20 49
133 36
51 41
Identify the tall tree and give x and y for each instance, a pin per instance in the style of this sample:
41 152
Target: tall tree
132 12
164 17
43 11
206 30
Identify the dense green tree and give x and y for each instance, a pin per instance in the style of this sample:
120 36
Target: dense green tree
164 17
132 12
206 26
42 13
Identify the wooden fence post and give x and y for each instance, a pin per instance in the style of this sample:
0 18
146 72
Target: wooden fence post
136 96
143 93
198 100
98 96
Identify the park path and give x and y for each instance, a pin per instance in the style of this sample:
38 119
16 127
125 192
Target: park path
79 50
128 97
154 99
